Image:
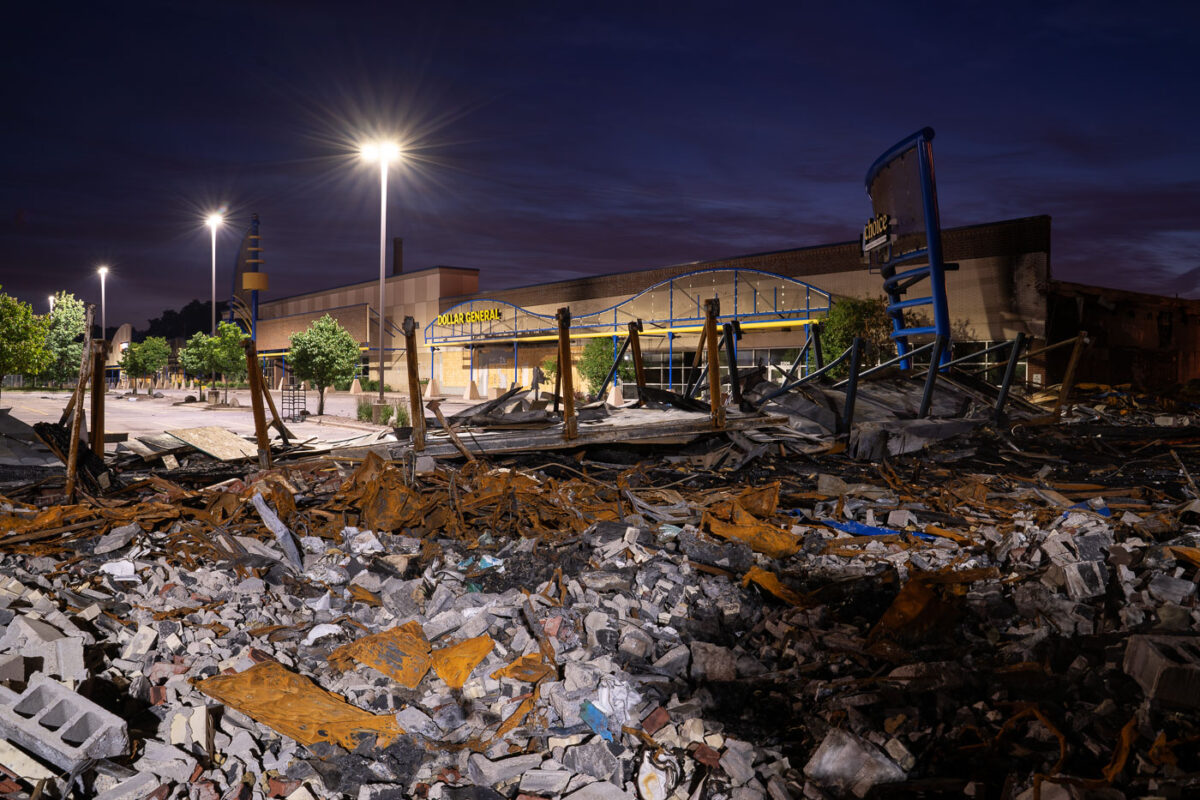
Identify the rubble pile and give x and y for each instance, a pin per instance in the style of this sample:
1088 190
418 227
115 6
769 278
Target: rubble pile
1009 614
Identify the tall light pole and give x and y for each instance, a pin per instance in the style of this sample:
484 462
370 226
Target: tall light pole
214 221
385 153
103 309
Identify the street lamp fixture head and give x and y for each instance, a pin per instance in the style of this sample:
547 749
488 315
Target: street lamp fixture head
214 220
386 152
103 271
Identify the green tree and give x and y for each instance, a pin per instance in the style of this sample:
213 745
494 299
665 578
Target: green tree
323 354
22 338
853 316
145 358
197 356
229 357
64 339
595 362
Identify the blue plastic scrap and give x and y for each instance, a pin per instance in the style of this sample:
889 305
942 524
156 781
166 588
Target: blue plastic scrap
596 720
484 561
861 529
1103 510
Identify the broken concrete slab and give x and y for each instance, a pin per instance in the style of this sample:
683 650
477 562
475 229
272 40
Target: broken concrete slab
851 764
1166 667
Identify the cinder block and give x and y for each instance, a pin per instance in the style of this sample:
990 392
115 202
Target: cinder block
1166 667
59 725
136 788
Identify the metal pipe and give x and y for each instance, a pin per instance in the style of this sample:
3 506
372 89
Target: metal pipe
613 369
939 344
735 385
1010 370
847 420
889 363
812 376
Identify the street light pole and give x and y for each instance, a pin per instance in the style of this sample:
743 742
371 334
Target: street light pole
383 171
385 152
214 221
103 305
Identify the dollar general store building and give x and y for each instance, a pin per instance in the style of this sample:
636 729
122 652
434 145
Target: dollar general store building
1001 287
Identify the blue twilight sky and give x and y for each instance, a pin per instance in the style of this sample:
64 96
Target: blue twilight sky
555 139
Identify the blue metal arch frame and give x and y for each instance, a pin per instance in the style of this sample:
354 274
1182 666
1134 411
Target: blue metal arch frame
579 322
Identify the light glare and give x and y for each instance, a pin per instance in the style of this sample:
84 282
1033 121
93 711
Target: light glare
103 271
380 151
214 220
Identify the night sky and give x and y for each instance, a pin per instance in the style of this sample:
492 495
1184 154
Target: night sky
557 139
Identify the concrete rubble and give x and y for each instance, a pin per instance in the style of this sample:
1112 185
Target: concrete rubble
1010 611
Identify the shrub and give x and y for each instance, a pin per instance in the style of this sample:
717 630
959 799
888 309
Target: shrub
864 317
595 362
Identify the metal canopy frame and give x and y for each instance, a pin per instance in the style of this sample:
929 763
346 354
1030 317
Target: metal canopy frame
755 299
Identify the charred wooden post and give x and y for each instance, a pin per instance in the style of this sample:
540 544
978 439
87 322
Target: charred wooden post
99 356
570 422
416 413
85 360
1069 376
254 375
435 406
712 308
276 420
635 347
75 406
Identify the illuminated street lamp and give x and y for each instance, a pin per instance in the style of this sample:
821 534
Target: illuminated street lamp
214 221
103 309
51 304
385 153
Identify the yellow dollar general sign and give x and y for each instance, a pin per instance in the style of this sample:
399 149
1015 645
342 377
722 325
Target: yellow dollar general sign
467 317
876 232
